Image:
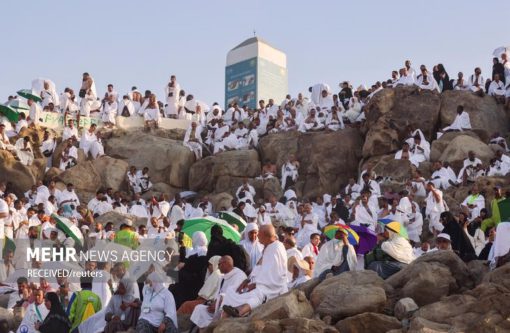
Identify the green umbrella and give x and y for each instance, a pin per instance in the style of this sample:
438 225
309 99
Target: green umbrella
9 112
68 228
233 219
504 210
205 224
29 94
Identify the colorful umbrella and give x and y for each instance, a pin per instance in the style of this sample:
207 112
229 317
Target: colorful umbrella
367 239
352 236
205 224
68 228
9 112
29 94
504 210
396 227
233 219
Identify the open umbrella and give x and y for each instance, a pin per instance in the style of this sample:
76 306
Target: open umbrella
352 236
205 224
188 194
504 210
9 112
500 50
29 94
367 239
68 228
396 227
233 219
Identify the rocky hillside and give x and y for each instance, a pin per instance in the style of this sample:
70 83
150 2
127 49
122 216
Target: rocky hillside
436 293
328 159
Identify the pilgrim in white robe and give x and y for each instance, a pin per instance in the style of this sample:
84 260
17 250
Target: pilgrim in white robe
253 249
441 178
152 115
497 88
434 209
461 122
365 216
193 140
126 108
24 152
109 112
310 250
172 98
69 133
158 303
228 283
91 144
476 83
69 158
427 82
269 276
308 225
34 313
101 288
330 255
469 168
289 170
334 122
35 113
478 201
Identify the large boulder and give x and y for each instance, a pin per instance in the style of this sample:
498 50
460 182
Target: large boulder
485 114
349 294
483 309
112 172
404 308
431 277
215 173
438 146
85 178
327 159
388 166
368 322
21 176
457 151
389 113
500 276
168 160
291 305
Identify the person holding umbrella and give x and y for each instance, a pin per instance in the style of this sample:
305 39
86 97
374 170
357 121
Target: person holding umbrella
336 256
393 254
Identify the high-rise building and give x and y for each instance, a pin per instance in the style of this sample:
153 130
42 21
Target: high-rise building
255 70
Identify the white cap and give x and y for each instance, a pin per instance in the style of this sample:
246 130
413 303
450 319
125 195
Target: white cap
444 236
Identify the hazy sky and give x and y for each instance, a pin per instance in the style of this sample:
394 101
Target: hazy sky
141 43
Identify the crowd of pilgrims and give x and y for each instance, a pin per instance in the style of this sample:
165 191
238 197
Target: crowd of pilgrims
283 244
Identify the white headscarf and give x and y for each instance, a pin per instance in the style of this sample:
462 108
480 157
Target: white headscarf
156 280
254 249
398 248
212 280
199 241
501 244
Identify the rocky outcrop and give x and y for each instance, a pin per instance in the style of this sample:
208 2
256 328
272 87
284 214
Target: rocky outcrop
438 146
349 294
168 160
21 177
431 277
368 322
224 172
485 115
457 151
484 309
327 160
388 166
291 305
390 111
90 176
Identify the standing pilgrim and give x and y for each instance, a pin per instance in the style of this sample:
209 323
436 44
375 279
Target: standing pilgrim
172 91
88 94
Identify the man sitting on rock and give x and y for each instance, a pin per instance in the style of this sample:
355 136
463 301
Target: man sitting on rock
404 153
471 170
204 314
267 280
5 144
473 204
461 122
